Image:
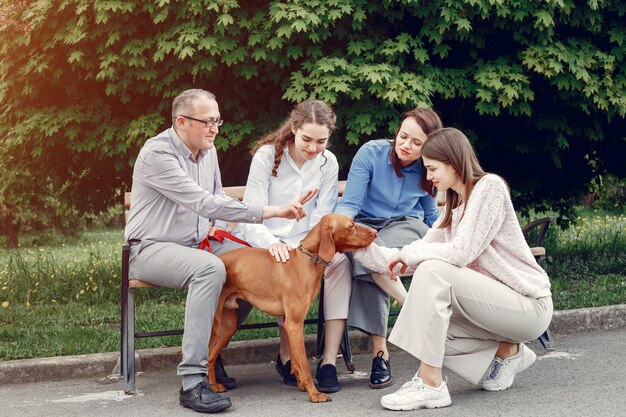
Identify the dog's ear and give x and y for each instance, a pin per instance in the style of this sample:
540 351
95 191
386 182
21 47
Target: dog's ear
327 242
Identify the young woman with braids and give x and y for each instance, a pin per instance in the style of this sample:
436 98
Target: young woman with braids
286 162
388 190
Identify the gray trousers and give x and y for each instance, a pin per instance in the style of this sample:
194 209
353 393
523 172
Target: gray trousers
202 273
369 305
456 317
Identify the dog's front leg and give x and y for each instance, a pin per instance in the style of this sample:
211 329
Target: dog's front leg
299 362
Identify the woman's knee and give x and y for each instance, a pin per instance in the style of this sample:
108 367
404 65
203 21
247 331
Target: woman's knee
430 272
429 266
338 265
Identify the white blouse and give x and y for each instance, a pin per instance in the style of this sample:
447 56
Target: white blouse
289 184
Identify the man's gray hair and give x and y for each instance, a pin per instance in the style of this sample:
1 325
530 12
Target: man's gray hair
184 103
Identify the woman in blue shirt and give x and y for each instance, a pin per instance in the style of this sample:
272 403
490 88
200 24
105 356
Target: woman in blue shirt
387 189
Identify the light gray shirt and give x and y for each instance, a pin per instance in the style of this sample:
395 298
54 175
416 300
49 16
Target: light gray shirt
175 197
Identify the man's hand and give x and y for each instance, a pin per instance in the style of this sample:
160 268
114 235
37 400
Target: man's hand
293 210
280 251
395 260
214 229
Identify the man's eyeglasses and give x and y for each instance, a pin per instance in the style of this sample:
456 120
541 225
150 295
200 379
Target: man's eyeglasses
207 123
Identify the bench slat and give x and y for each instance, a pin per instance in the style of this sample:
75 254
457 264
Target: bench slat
135 283
235 192
538 251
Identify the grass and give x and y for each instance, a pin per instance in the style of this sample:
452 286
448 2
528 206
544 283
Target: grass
63 299
587 262
75 328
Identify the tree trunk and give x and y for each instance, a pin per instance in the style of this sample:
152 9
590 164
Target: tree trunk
11 230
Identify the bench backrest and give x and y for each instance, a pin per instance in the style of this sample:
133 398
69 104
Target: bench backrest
238 190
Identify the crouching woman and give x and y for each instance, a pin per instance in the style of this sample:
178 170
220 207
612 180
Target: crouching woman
477 293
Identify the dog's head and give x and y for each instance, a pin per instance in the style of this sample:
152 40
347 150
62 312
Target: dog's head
338 233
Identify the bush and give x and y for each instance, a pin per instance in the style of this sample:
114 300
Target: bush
608 193
36 204
535 85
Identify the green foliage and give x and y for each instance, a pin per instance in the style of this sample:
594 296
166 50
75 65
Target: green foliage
536 85
609 193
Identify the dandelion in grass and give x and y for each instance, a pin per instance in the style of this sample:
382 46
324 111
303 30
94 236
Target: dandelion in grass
5 304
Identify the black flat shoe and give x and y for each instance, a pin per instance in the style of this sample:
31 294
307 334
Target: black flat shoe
326 377
202 400
381 372
285 372
221 375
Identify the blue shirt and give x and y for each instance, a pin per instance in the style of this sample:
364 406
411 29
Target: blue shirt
374 189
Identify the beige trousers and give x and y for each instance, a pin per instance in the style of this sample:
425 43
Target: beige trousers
337 288
456 317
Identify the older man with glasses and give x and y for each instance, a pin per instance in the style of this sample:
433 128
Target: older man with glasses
177 201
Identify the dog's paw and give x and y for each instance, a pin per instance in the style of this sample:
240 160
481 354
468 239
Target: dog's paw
319 397
218 387
375 257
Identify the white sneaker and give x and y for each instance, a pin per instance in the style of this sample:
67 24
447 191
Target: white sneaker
414 395
503 372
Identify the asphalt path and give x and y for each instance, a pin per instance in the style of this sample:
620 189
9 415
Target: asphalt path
586 376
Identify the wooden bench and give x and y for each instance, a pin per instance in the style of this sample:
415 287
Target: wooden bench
129 285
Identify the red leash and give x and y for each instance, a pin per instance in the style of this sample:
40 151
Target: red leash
220 235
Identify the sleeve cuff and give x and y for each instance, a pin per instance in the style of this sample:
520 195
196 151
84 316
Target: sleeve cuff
254 214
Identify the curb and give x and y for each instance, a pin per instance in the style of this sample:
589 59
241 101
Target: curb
106 365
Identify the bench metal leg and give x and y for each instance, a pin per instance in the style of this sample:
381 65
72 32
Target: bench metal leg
127 327
346 350
129 377
546 340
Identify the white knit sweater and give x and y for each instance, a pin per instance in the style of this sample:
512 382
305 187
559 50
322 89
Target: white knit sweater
487 238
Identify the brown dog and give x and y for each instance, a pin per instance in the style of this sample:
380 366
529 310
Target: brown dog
283 289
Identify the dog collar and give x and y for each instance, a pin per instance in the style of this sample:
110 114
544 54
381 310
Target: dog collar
314 257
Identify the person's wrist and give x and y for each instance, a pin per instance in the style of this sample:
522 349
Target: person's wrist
269 211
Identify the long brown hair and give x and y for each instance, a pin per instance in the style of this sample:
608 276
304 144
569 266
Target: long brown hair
429 121
450 146
309 111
